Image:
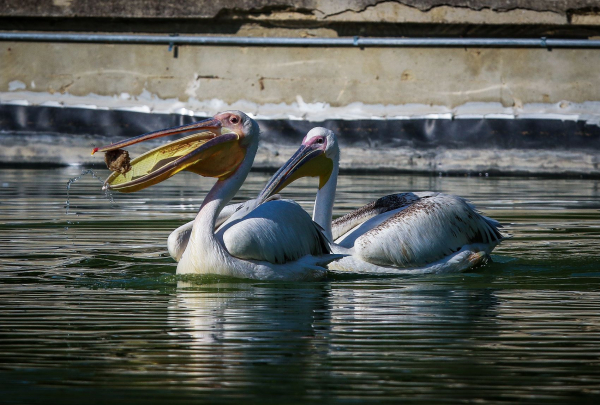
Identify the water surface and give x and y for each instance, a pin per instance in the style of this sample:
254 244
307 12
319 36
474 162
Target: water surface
91 310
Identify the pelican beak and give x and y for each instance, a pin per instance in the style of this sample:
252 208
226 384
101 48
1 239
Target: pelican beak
308 161
209 126
210 150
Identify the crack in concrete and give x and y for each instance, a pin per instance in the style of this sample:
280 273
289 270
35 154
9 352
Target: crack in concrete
243 8
435 6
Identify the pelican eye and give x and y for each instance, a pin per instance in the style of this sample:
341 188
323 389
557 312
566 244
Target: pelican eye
320 140
234 120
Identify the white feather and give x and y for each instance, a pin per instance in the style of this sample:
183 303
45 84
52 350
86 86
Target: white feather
276 232
179 238
468 257
428 228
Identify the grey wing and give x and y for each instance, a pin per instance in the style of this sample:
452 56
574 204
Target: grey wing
179 238
235 212
276 232
341 226
426 231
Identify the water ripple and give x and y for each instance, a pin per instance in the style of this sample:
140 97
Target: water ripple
91 309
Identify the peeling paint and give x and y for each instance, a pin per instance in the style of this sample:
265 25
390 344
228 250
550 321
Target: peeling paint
300 110
62 3
16 85
193 86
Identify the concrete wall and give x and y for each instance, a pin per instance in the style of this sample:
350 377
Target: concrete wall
337 76
313 84
402 11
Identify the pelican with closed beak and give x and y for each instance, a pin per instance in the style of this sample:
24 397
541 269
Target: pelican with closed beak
414 232
275 240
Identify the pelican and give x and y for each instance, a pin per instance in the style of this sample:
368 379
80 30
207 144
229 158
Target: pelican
415 232
273 240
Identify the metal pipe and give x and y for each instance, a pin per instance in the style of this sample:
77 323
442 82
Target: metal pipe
309 42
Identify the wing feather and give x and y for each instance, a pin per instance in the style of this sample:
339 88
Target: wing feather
427 230
276 231
346 223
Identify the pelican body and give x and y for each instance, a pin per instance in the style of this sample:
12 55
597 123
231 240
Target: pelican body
274 239
414 232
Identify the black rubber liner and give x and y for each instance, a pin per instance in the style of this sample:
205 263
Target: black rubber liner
547 134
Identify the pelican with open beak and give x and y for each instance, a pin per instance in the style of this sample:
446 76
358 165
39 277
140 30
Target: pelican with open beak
415 232
276 240
207 139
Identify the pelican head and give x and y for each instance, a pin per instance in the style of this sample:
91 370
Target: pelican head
214 148
315 158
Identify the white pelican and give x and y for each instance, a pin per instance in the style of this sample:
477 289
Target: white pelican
275 240
420 232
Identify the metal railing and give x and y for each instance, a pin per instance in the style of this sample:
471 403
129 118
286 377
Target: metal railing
305 42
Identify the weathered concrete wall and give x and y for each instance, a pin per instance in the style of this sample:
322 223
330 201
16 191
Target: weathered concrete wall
421 11
338 76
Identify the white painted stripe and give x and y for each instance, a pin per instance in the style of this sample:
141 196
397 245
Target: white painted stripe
314 112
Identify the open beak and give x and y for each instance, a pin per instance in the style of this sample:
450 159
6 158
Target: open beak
208 126
210 150
308 161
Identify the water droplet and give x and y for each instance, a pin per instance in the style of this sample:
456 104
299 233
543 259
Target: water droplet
107 193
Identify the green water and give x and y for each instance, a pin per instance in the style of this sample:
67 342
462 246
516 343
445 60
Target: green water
91 310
